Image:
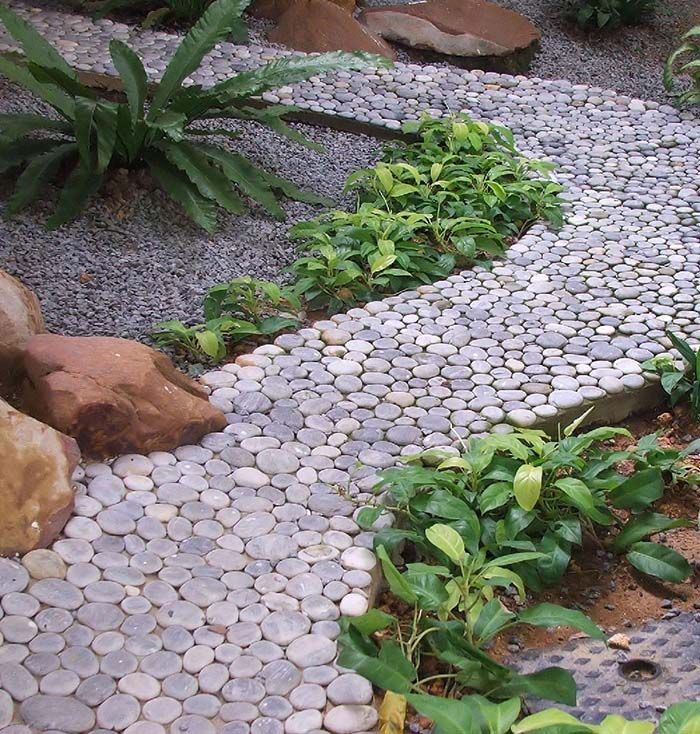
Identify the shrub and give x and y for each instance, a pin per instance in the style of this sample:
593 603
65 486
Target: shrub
609 14
524 492
91 136
233 312
456 196
685 61
679 383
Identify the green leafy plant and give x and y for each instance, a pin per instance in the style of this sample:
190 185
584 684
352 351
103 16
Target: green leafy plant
526 493
679 718
356 256
679 383
89 136
455 197
233 311
685 61
609 14
455 615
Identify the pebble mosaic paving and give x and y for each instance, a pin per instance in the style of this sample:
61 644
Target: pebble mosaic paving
198 591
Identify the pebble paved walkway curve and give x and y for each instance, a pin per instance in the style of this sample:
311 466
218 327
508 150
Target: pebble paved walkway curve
198 591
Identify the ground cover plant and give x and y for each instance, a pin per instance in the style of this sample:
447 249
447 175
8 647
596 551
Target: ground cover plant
609 14
89 136
523 492
234 311
679 383
456 196
471 552
685 62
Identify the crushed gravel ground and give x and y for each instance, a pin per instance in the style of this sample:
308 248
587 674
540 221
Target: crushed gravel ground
134 258
629 60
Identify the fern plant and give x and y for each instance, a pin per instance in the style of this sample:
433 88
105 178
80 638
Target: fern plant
685 61
89 136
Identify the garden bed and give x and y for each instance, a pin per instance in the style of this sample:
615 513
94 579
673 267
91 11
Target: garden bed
134 258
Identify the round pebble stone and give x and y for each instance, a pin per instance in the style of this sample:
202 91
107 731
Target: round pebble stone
57 593
118 712
244 690
145 727
309 650
6 709
180 686
96 689
162 709
350 688
140 686
303 721
59 683
192 724
44 564
350 719
283 627
63 713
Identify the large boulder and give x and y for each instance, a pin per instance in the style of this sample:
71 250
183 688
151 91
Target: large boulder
114 396
20 319
466 28
273 9
319 25
36 491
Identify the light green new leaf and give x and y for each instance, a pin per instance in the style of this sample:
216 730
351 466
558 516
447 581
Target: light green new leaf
448 540
681 718
617 725
527 486
548 718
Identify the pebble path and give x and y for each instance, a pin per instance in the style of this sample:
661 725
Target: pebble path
199 591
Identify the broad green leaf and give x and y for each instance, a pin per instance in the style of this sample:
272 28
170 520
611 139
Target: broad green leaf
397 583
213 26
574 425
547 718
498 717
582 499
367 516
39 172
384 675
209 180
642 526
133 77
183 191
50 93
246 176
552 615
660 561
492 618
17 124
681 718
447 540
504 577
105 123
84 114
392 655
550 684
684 349
511 559
80 185
442 504
209 343
617 725
372 621
450 716
527 486
428 588
639 490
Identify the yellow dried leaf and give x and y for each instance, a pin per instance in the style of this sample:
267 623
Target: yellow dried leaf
392 713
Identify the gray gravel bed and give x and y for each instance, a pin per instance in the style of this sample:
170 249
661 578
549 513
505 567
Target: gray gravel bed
145 260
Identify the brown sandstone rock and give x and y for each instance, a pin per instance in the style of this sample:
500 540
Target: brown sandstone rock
319 25
468 28
36 491
20 319
273 9
114 396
